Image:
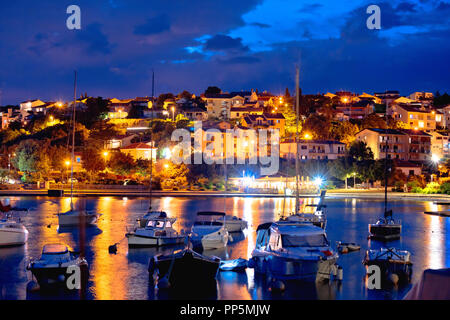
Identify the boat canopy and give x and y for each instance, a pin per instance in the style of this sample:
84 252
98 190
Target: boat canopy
296 229
264 226
54 249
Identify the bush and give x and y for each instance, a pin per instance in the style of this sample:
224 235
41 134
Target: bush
431 188
445 188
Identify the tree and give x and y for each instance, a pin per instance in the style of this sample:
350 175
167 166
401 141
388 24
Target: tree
342 168
287 94
162 98
373 121
343 131
32 158
318 126
360 151
213 90
121 163
93 162
97 108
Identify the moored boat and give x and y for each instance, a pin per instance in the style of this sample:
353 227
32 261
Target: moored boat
317 217
385 229
184 268
391 261
234 224
51 269
12 233
293 252
209 230
158 232
77 217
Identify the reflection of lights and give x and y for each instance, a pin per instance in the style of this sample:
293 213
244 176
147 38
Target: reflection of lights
166 166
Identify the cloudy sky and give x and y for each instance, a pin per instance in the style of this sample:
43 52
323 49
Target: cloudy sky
233 44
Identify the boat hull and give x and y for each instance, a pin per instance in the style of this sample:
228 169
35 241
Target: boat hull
235 225
185 269
48 277
385 232
387 268
70 220
142 241
13 237
294 269
214 240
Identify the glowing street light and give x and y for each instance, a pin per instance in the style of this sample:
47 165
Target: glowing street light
318 181
435 158
307 136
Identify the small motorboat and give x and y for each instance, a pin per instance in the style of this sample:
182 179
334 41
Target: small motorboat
51 268
184 268
233 265
391 262
346 247
142 221
209 230
293 252
385 229
12 233
77 217
234 224
158 232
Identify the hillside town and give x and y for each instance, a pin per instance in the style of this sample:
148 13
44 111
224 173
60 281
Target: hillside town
341 140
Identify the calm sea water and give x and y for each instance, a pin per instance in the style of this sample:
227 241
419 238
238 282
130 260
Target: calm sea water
124 275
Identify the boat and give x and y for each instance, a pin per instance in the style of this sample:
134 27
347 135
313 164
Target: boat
143 221
234 224
317 217
390 261
386 228
77 217
293 252
74 217
236 265
51 269
433 285
346 247
158 232
184 268
209 230
12 233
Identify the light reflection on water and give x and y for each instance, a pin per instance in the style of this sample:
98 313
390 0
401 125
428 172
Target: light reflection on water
124 275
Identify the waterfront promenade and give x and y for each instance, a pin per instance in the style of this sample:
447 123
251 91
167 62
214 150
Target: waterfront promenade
142 192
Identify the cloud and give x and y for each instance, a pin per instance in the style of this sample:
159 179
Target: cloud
406 7
260 25
94 40
153 26
242 60
222 42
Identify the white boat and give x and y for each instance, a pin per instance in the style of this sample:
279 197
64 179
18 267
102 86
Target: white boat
158 232
294 251
77 217
316 216
234 224
209 230
142 221
51 268
12 233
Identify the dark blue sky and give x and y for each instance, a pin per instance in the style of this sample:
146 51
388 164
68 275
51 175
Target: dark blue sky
234 44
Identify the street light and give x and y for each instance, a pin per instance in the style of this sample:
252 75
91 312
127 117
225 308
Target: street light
435 158
105 154
67 163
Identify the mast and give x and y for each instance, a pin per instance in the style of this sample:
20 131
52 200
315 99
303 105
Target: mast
297 107
226 184
385 163
151 170
73 138
153 84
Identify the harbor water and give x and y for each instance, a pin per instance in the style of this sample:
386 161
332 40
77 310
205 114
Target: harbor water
124 275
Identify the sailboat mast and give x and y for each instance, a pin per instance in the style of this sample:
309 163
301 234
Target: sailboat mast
297 111
385 161
151 169
73 139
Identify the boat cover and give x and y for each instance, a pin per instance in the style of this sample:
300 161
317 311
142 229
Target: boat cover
434 285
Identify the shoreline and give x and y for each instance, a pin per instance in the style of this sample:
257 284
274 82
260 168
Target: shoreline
331 194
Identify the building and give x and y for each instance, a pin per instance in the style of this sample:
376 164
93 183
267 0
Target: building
366 96
421 96
242 111
6 118
195 113
439 145
387 97
265 121
120 141
357 110
119 109
445 116
29 104
417 117
412 145
219 105
140 150
408 168
313 149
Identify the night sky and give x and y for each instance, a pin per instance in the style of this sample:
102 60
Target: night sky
234 44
